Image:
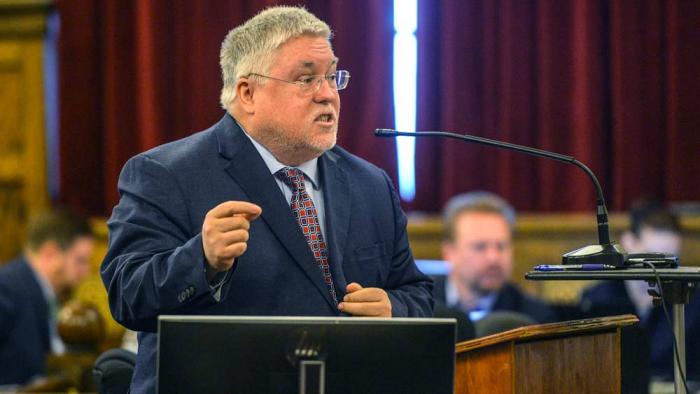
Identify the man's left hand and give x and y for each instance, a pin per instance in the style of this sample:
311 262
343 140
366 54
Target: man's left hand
360 301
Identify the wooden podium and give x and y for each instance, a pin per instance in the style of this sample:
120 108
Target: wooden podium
580 356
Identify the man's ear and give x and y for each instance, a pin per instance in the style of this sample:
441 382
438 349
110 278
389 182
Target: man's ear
245 94
49 249
447 249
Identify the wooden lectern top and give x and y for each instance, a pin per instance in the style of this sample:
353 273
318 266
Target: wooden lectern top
579 356
549 330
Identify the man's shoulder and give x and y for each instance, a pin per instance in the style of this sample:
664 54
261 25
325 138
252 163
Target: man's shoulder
604 291
13 269
511 291
194 150
199 145
511 297
14 275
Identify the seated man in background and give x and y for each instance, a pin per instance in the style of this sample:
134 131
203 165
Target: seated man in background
652 229
56 258
478 248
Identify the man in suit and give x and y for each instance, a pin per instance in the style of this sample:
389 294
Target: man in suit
653 228
478 248
56 259
261 214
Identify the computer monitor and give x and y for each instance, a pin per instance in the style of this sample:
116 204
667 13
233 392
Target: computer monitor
225 354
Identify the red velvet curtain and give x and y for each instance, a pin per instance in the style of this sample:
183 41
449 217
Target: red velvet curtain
612 83
135 74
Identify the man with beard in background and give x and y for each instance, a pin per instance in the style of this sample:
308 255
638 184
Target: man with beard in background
478 248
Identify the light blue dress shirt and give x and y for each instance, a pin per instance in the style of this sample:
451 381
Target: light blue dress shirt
481 309
311 180
311 183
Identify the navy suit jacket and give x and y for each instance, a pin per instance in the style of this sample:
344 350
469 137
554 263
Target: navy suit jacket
24 324
611 298
509 298
155 263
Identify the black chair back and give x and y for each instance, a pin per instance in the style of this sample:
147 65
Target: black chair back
113 371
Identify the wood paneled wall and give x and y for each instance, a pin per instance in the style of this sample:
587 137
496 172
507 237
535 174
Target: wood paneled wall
23 189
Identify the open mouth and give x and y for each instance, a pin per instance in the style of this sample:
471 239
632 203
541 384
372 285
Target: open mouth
325 118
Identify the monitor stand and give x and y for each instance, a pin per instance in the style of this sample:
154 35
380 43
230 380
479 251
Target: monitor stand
678 294
312 377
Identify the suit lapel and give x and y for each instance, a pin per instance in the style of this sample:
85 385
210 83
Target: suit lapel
251 173
336 195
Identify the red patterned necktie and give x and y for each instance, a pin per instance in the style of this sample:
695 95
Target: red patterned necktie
305 214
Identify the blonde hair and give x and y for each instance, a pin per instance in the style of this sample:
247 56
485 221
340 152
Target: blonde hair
251 46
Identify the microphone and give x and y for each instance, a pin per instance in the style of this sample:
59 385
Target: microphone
606 252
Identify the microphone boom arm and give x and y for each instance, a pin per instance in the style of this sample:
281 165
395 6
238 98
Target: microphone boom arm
614 254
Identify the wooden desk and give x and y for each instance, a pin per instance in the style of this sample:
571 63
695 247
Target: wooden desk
580 356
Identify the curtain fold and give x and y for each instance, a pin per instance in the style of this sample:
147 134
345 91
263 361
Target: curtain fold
608 82
612 83
135 74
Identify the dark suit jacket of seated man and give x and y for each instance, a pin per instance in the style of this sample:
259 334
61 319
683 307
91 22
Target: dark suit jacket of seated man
158 258
509 298
55 259
24 324
609 298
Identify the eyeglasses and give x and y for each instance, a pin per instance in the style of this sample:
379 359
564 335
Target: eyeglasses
312 84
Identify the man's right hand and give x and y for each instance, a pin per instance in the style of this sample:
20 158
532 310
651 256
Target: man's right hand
225 233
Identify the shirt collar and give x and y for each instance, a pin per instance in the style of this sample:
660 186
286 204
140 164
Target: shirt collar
309 168
484 303
451 294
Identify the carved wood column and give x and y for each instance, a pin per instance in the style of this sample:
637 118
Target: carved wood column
23 179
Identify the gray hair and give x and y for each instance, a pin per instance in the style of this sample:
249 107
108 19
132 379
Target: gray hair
476 201
251 46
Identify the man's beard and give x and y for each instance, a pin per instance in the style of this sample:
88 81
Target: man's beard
482 291
279 142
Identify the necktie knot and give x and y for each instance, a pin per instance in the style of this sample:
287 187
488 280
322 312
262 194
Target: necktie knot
292 177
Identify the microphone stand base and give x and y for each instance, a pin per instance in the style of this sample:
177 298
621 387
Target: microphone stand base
609 254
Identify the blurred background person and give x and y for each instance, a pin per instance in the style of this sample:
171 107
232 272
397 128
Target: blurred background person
56 258
478 249
653 228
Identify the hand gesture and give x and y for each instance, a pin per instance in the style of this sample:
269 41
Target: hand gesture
370 301
225 233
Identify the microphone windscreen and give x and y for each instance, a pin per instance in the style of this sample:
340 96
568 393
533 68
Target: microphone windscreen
385 132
